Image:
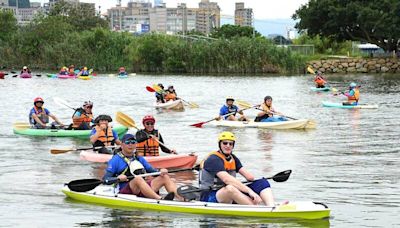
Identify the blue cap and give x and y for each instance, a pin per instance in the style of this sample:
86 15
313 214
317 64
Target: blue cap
128 136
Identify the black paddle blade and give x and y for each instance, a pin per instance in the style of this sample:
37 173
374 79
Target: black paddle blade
282 176
189 192
84 185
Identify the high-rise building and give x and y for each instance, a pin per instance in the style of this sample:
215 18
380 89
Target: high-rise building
3 3
243 16
208 16
158 3
21 3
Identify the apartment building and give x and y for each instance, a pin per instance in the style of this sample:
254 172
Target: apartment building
243 16
208 16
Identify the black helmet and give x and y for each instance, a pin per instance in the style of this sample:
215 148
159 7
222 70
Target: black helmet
161 85
103 117
267 98
170 87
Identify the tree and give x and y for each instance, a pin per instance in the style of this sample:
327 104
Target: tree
228 31
8 25
374 22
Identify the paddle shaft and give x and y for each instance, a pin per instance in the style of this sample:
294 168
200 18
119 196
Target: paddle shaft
228 114
61 151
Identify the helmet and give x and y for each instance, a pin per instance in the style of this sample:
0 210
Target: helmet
230 98
38 99
148 118
267 98
85 68
103 117
25 67
226 135
170 87
86 103
353 84
161 85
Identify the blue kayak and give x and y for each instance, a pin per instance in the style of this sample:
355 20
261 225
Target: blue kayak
340 105
325 89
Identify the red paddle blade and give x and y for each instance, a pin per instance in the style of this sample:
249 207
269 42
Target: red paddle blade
198 124
148 88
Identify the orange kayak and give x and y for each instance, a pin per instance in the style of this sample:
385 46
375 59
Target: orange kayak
168 161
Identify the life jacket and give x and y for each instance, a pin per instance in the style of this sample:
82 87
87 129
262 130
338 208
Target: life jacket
84 118
148 147
170 96
107 137
84 73
267 109
41 114
319 81
134 167
355 97
206 179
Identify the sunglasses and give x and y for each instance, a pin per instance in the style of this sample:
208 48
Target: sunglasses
130 141
88 106
228 143
149 123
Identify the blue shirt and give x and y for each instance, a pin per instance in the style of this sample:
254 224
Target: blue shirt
31 120
115 134
214 164
225 110
117 165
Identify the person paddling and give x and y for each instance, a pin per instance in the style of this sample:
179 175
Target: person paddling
126 163
103 135
71 70
160 94
319 81
221 167
170 94
83 117
122 71
353 95
84 72
25 69
149 138
39 115
229 107
63 71
267 113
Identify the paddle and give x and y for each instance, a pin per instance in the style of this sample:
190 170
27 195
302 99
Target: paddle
84 185
62 102
128 122
159 89
65 150
311 123
38 75
311 71
23 126
187 191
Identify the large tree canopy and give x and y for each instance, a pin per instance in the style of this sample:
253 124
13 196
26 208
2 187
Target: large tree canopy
375 22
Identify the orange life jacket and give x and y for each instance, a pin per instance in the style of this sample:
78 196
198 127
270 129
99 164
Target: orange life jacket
228 165
170 96
107 137
84 118
148 147
355 97
319 81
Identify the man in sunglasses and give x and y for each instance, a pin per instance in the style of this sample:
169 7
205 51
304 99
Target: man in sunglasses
83 117
220 168
39 115
149 139
125 165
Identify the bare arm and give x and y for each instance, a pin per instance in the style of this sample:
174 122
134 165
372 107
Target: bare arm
55 119
246 174
37 119
230 180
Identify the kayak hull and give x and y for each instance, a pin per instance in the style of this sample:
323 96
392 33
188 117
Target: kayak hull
340 105
105 195
168 161
282 125
62 76
25 75
85 77
173 105
325 89
63 133
122 76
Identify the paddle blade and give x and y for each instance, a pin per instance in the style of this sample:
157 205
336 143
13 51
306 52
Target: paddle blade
198 124
282 176
61 151
157 88
125 120
310 70
311 124
334 90
84 185
148 88
21 125
189 192
244 104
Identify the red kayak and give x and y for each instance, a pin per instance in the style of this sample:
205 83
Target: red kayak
168 161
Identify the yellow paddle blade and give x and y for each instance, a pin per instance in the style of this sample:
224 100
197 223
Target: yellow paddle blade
244 104
334 90
21 125
193 105
157 88
311 124
125 120
309 69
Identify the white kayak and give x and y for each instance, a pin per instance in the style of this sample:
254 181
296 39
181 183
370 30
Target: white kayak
175 105
106 195
290 124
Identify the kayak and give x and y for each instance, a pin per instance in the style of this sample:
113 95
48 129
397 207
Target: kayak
325 89
63 133
340 105
25 75
52 75
85 77
168 161
122 76
106 195
290 124
175 105
67 76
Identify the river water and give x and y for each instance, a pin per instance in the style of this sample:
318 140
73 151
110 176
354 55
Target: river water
350 162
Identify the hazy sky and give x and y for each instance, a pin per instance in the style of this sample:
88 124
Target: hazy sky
263 9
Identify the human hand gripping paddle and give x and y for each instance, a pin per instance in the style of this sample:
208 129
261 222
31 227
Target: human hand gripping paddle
187 191
311 71
157 88
84 185
311 123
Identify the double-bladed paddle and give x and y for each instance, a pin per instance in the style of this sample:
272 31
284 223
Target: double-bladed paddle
157 88
187 191
84 185
65 150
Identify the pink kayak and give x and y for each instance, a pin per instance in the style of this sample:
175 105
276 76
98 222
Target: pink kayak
25 75
65 76
168 161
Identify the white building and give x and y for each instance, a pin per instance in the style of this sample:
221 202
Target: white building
243 16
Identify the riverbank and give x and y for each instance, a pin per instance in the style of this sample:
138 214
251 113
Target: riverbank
357 65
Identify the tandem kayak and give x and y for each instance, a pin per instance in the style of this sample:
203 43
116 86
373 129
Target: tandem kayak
175 105
168 161
105 195
325 89
340 105
25 75
63 133
290 124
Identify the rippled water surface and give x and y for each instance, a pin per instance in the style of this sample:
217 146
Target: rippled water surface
350 162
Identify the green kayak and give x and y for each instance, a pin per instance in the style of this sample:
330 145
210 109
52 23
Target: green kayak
121 130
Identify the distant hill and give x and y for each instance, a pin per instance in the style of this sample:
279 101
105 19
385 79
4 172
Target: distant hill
269 26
